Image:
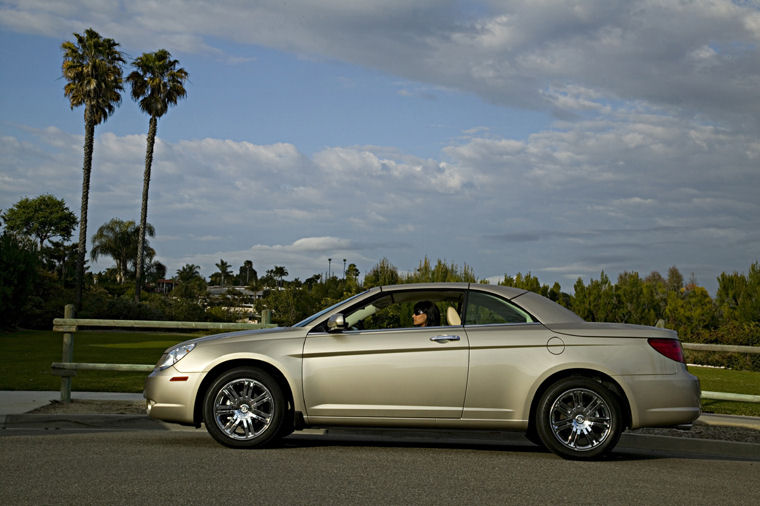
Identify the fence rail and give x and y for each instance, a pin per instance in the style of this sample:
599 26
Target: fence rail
72 324
724 348
69 325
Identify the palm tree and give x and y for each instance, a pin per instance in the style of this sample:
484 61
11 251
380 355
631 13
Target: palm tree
188 272
156 83
279 272
92 69
224 270
118 239
190 283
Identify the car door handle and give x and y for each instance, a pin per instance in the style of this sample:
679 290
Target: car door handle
444 339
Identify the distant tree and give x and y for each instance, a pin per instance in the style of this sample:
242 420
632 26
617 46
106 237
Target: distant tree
656 294
155 271
384 273
441 272
18 273
190 282
288 306
352 272
738 296
157 84
312 281
279 272
595 302
674 281
557 295
526 282
118 239
224 272
61 259
247 274
42 218
188 272
268 280
633 301
92 69
690 311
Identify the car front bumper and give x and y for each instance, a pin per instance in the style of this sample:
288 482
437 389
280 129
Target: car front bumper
170 395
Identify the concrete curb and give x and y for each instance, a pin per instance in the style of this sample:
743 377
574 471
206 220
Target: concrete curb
693 447
748 422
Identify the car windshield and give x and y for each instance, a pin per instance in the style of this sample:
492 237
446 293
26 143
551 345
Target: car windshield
307 321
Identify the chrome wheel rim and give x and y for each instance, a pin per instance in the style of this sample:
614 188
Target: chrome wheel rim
580 419
243 409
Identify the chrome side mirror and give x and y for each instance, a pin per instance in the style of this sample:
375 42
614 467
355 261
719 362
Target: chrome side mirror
336 323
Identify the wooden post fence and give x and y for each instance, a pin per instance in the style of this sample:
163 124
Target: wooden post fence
69 325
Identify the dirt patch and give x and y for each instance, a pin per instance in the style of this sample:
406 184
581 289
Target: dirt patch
91 407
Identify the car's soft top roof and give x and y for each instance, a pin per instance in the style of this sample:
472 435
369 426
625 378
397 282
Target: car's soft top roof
505 291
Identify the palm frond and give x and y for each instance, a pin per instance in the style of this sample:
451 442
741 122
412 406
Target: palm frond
92 69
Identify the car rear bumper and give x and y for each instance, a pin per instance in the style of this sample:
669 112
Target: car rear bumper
663 400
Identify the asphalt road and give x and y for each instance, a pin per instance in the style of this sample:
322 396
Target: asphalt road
149 465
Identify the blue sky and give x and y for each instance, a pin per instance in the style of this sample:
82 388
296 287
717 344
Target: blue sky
558 137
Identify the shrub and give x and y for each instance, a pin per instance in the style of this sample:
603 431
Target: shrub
730 333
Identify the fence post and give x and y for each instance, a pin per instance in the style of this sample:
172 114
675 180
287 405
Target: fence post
67 355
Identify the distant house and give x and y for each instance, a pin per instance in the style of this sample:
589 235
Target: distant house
242 291
165 285
239 299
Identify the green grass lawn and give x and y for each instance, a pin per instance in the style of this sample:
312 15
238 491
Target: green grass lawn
726 380
27 355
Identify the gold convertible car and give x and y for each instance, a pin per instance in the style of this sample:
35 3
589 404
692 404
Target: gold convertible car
438 355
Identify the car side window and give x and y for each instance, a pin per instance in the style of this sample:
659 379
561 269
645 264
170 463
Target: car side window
380 313
486 309
395 310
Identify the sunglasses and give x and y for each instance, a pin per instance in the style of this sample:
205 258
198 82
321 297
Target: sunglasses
419 312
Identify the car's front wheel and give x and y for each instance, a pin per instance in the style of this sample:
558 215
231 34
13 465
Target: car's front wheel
579 418
244 408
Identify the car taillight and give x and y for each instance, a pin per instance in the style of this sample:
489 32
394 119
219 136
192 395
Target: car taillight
671 348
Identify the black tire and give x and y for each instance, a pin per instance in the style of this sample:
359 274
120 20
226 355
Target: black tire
244 408
579 418
532 435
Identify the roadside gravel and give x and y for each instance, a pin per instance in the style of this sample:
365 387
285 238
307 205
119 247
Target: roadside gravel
91 407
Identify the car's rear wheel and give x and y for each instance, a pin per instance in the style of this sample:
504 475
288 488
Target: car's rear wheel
244 408
579 418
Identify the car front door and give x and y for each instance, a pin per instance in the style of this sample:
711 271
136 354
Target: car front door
417 372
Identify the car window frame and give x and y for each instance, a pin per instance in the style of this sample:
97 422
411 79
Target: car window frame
507 302
463 292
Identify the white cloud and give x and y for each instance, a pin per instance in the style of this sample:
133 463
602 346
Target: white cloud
655 138
695 59
616 193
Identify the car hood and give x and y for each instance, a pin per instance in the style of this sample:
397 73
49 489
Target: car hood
594 329
273 333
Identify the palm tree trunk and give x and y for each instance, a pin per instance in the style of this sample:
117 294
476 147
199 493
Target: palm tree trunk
89 138
144 209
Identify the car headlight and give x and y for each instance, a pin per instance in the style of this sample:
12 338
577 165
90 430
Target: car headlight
174 355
